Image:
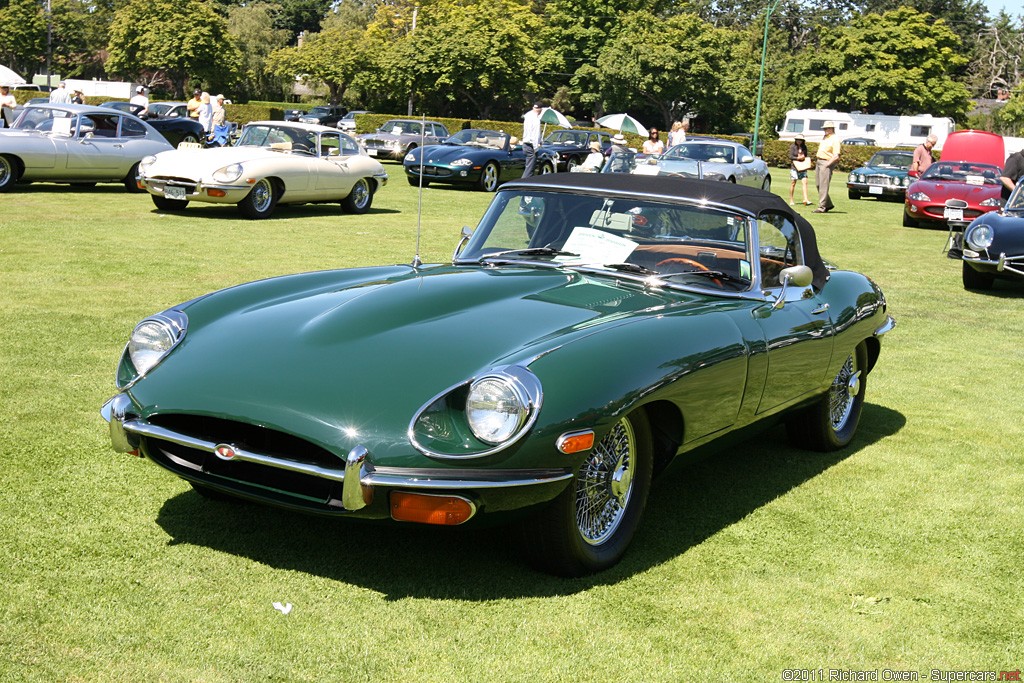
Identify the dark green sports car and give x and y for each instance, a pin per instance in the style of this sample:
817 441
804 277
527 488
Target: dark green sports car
593 328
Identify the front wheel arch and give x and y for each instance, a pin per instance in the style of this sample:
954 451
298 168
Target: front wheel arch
590 524
11 170
830 423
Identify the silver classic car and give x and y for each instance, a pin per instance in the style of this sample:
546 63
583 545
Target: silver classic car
272 163
722 160
77 144
398 137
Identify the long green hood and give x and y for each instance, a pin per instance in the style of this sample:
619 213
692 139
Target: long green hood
348 357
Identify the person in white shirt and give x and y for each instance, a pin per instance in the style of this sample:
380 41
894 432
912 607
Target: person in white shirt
60 95
7 105
594 161
531 137
141 100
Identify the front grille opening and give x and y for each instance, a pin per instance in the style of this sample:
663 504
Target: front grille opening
249 437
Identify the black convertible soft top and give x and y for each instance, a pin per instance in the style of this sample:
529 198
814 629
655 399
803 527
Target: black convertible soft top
745 199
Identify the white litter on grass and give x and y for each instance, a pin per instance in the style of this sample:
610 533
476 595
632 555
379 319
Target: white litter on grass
283 609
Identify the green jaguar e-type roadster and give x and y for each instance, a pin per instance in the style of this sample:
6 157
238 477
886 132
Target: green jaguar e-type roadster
592 328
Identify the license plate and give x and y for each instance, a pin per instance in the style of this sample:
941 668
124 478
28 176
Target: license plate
953 214
372 152
172 192
875 189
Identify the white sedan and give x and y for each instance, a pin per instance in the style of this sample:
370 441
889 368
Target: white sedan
273 162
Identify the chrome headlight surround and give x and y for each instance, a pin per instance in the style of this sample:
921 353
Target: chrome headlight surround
149 343
462 162
146 162
980 237
228 174
480 416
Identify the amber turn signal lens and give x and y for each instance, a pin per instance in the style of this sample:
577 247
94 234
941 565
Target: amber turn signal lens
575 442
428 509
215 193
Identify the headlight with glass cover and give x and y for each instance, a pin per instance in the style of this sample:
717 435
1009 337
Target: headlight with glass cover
228 174
146 162
980 236
479 417
150 342
920 197
410 157
462 162
992 201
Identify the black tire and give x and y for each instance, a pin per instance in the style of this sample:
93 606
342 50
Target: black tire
260 201
589 526
9 172
546 167
976 279
415 182
853 194
129 180
908 222
165 204
766 184
189 137
572 163
831 422
360 198
489 177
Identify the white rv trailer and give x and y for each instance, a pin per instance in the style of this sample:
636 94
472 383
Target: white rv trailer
885 130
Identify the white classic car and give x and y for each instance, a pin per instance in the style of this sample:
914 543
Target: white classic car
76 144
273 162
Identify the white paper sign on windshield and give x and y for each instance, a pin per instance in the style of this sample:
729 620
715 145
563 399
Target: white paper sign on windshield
596 246
62 126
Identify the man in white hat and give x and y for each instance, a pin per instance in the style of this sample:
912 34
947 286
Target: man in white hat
826 159
141 100
61 94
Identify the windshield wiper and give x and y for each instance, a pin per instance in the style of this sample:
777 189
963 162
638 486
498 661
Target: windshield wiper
535 251
621 267
714 274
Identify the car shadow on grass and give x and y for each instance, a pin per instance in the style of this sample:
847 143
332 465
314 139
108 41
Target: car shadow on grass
689 503
281 212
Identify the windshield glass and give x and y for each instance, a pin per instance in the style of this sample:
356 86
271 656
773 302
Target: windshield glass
566 137
685 244
703 151
278 137
1016 200
399 127
56 121
891 160
965 172
482 138
319 111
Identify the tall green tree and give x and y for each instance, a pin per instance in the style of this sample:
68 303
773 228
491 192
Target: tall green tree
333 57
477 59
23 37
677 74
899 62
172 42
252 29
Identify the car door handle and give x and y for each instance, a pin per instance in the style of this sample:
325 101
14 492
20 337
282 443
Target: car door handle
118 145
820 309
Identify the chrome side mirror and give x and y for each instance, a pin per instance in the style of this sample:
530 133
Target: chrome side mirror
746 159
797 276
467 232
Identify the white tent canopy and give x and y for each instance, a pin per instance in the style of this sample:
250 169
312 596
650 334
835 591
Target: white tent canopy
8 77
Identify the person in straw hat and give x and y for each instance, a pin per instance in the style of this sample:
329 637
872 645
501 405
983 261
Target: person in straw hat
826 159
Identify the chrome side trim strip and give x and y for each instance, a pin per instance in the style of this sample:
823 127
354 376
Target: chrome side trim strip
358 463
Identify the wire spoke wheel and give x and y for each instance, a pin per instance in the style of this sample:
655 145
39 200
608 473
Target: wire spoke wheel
604 484
841 396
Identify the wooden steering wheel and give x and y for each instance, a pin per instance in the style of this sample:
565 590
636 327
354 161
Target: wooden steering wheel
679 260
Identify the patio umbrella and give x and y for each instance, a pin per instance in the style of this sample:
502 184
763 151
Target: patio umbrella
554 117
8 77
623 122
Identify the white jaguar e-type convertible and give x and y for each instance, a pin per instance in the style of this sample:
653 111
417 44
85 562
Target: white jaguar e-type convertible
272 163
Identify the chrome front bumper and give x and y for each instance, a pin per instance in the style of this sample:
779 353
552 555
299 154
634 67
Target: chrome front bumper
359 477
1009 264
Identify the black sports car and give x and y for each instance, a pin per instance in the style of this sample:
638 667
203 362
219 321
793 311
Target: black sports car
485 158
570 147
992 246
175 128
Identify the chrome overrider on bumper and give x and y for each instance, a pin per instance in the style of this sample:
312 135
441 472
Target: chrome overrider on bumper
358 476
1012 264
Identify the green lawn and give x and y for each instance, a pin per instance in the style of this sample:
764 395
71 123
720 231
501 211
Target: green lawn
902 552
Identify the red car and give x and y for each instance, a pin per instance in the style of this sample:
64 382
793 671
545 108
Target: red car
968 170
